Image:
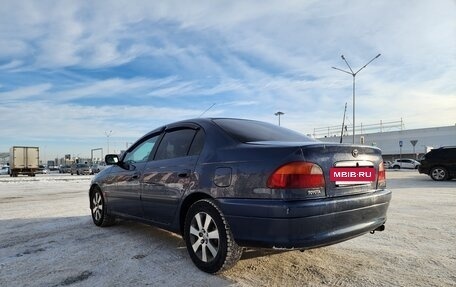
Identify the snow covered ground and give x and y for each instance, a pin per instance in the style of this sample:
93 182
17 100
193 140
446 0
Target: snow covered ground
47 239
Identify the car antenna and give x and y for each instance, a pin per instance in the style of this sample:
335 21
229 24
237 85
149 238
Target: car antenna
207 110
343 124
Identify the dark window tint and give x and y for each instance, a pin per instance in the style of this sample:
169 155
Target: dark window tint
436 154
175 144
197 144
444 153
432 154
141 152
251 131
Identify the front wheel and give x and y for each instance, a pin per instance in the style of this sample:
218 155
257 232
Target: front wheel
208 237
98 209
439 173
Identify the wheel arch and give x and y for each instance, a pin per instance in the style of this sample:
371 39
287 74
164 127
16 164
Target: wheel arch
438 166
188 201
92 189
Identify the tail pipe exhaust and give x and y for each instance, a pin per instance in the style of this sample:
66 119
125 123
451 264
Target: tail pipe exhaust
380 228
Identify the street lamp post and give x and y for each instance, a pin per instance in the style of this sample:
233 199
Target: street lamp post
279 113
108 134
354 76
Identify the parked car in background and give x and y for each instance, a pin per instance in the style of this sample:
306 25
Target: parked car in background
439 164
4 170
405 163
387 164
80 168
225 184
65 169
42 170
96 168
53 167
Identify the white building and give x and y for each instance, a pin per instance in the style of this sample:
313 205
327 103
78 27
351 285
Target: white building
389 142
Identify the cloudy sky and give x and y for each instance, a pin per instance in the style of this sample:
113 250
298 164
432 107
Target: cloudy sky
72 71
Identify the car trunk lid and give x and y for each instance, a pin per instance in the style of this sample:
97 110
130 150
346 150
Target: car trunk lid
342 157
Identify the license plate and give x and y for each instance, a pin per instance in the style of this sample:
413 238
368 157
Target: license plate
352 175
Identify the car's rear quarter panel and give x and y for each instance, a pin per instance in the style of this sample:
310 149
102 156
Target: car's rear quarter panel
287 218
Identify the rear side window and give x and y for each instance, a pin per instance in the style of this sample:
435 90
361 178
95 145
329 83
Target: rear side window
197 144
432 155
443 153
252 131
175 144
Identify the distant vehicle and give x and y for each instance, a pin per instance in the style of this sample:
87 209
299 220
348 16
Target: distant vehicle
225 184
96 168
80 168
53 167
405 163
439 164
387 164
4 170
65 169
42 170
24 160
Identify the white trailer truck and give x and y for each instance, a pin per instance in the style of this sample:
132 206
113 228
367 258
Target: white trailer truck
24 160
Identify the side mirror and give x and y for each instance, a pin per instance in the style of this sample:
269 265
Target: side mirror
111 159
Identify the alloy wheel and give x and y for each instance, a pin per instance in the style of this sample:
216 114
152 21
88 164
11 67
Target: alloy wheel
204 237
438 174
97 206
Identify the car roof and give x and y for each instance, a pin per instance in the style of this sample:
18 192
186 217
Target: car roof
192 123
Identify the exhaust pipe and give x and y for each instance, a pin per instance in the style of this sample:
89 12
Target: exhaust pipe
380 228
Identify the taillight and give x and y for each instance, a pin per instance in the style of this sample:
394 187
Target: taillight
381 183
297 175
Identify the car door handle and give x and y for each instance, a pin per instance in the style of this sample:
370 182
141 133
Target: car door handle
184 173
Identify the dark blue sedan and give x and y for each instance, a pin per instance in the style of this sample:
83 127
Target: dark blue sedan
225 184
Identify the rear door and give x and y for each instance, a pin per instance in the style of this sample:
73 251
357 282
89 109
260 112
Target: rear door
171 173
406 163
452 160
445 157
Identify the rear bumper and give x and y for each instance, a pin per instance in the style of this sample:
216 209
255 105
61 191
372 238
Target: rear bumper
422 169
304 224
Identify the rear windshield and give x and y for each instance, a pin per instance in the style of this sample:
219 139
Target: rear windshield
253 131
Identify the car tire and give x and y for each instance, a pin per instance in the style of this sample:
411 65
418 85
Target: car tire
208 237
99 210
397 167
438 173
